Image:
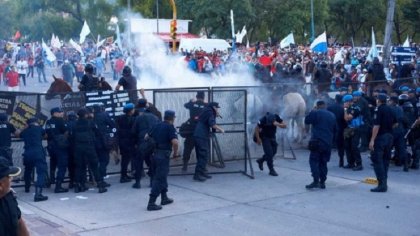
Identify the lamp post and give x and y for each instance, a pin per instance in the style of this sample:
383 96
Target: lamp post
157 16
312 22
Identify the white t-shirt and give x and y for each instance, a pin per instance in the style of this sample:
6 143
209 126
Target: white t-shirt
22 66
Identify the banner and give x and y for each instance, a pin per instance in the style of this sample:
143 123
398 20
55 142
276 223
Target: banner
24 112
7 102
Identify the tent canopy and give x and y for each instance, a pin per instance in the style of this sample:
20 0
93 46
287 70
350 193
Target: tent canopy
207 45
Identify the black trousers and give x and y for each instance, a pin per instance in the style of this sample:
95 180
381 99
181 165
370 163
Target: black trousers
188 148
381 156
270 150
85 156
352 150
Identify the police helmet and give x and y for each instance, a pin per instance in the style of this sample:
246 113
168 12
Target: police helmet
348 98
403 97
126 71
89 68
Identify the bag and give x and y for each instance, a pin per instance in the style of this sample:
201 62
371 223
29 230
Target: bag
313 145
61 140
109 140
186 129
147 147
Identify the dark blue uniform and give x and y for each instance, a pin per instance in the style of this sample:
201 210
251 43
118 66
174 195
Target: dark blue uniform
163 134
105 126
6 130
206 120
10 215
34 155
71 123
398 134
352 138
195 109
84 133
126 141
381 155
142 125
338 110
57 133
324 126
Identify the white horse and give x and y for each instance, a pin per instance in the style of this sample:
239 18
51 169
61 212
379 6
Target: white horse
293 113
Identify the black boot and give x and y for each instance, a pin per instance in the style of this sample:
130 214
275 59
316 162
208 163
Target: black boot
102 187
124 179
137 185
415 165
206 175
406 164
185 166
27 186
59 188
313 185
165 200
273 172
260 162
381 188
151 206
341 162
38 195
76 188
199 177
71 185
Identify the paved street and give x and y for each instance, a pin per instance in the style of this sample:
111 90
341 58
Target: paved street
233 204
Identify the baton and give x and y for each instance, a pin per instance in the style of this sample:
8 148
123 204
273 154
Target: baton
411 128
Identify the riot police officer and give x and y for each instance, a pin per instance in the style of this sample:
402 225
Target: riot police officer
143 124
195 107
89 82
57 147
34 157
381 142
206 121
6 132
265 134
129 83
71 122
106 126
166 140
398 133
84 133
338 110
126 140
351 133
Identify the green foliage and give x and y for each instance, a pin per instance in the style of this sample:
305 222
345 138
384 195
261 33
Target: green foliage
342 19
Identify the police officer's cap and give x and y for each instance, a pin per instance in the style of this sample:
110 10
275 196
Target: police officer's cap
214 104
126 71
403 97
3 117
83 112
6 169
56 110
31 121
382 97
357 94
128 107
320 103
200 95
348 98
142 102
343 89
169 114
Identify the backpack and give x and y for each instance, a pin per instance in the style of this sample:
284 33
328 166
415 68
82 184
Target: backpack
187 128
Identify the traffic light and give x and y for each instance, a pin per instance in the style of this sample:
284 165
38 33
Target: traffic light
173 29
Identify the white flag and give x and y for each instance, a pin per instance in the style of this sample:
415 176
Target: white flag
240 35
407 42
118 40
85 32
50 55
100 43
373 52
76 46
287 41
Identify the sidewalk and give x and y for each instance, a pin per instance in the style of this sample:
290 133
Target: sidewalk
233 204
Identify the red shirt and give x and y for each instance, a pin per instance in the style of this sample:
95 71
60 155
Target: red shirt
119 65
265 60
12 78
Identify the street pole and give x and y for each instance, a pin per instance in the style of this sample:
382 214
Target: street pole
173 5
157 16
312 22
129 25
388 32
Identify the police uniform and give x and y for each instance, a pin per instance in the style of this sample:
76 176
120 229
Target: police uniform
84 133
142 125
268 138
163 133
352 137
10 214
338 110
34 157
57 148
89 82
324 126
381 155
6 130
129 83
206 120
126 140
105 126
195 108
71 122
